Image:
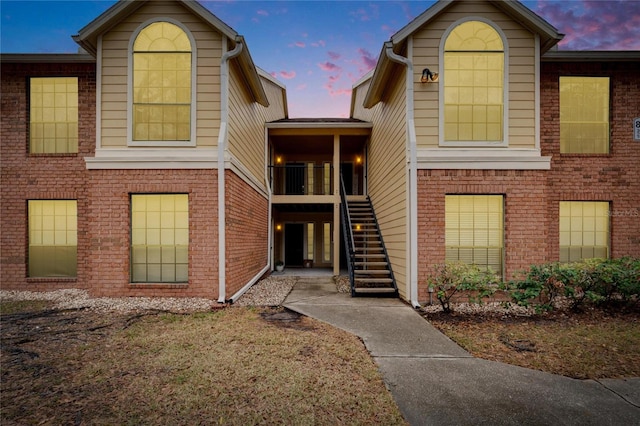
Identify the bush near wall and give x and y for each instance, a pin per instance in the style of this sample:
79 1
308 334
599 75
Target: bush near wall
598 282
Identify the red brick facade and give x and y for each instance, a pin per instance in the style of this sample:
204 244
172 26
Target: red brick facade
26 176
247 230
109 210
531 198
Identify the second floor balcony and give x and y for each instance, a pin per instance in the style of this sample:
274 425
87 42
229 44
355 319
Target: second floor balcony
302 178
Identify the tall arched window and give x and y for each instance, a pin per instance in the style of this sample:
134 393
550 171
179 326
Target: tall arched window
162 84
473 84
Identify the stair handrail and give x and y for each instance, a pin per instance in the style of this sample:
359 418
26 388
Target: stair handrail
348 234
384 246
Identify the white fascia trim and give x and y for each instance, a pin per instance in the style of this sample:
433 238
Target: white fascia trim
152 158
482 159
537 90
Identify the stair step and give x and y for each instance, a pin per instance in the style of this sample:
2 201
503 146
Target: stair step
370 263
373 280
371 272
372 290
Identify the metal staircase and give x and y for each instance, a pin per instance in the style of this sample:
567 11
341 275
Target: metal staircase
370 271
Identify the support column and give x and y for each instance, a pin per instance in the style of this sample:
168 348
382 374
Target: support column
336 204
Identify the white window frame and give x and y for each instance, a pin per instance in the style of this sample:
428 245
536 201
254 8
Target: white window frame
505 85
194 53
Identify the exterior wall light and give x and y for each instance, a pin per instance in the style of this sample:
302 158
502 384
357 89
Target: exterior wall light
358 159
428 76
278 227
278 160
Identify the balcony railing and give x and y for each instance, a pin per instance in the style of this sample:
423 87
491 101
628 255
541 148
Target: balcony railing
302 179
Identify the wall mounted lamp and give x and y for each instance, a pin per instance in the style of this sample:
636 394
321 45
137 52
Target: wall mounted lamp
278 160
428 76
358 159
278 227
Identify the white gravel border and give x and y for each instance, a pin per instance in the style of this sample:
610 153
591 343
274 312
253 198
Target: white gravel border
271 291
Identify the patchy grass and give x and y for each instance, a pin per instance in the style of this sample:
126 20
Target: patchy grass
233 366
588 345
12 307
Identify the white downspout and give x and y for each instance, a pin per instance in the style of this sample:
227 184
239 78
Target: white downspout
413 172
222 148
269 227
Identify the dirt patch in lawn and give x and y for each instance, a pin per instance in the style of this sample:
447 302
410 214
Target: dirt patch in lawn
587 345
233 366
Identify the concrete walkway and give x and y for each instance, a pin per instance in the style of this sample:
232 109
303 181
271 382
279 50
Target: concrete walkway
435 382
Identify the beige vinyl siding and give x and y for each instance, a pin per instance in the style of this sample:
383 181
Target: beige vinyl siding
246 122
114 69
359 93
387 172
521 68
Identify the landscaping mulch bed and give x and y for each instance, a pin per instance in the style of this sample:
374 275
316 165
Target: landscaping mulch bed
591 344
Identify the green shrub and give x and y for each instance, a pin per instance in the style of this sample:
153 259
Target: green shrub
591 281
451 277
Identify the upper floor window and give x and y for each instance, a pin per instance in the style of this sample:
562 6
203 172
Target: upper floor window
474 60
53 126
162 84
584 115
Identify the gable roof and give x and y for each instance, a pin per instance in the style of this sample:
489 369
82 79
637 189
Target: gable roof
87 37
549 37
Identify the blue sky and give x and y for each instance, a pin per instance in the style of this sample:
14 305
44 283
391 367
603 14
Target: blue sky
318 49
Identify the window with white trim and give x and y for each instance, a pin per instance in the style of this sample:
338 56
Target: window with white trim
159 238
474 230
474 61
161 108
584 230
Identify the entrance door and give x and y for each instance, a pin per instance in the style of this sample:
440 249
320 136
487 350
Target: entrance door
293 244
295 179
346 171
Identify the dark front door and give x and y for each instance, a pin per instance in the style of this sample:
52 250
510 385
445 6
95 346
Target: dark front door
346 171
295 179
293 244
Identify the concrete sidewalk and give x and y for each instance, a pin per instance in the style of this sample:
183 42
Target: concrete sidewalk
435 382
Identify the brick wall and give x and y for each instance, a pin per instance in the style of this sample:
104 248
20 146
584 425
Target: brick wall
110 212
525 214
532 197
247 232
613 177
26 177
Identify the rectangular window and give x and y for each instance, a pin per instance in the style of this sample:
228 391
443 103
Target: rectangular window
53 238
584 230
159 238
53 115
310 241
162 96
474 227
584 115
311 167
474 96
326 242
327 178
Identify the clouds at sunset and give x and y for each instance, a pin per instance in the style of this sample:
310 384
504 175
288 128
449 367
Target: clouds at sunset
594 25
318 49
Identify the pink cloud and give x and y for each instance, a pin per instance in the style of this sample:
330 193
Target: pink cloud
262 12
368 60
299 44
334 55
594 25
288 75
328 66
333 92
319 43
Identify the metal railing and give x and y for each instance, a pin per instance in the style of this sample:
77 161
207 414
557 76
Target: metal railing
348 235
301 179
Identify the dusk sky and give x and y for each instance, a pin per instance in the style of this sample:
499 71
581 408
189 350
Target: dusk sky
318 49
